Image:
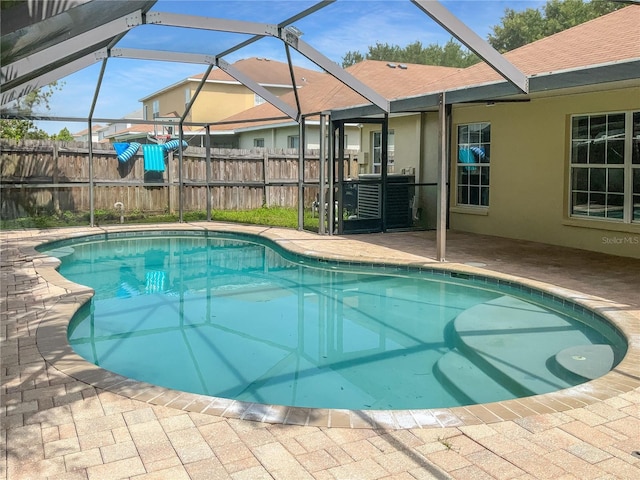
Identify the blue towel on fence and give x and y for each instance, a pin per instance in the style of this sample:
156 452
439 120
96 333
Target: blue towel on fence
128 152
153 157
173 144
120 147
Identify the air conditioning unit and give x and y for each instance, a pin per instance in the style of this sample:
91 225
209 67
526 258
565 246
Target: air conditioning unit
363 158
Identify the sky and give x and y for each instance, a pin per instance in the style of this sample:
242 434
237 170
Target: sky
343 26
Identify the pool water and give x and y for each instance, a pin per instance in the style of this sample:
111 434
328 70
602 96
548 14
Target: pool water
238 317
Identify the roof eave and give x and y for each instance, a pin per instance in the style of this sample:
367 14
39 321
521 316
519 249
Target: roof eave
541 82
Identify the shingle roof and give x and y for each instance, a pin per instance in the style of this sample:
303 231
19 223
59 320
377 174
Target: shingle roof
591 43
610 38
327 92
265 72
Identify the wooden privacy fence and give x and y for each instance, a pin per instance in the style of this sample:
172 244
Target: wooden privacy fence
45 176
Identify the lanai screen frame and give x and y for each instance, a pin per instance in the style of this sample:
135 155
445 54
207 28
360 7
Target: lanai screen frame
63 56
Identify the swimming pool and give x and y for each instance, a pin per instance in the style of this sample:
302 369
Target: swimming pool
235 316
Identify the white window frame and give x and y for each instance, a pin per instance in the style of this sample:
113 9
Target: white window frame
258 142
594 209
156 108
376 150
473 164
293 141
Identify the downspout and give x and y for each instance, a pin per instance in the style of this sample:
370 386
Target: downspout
89 122
441 220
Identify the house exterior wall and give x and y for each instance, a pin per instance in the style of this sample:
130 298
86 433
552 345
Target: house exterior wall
170 101
215 101
530 176
406 137
406 143
365 159
246 139
277 137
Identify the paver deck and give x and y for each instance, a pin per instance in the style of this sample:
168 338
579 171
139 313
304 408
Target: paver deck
64 419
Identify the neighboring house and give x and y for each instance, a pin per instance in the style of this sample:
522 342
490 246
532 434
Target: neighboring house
222 95
391 80
127 130
560 165
83 135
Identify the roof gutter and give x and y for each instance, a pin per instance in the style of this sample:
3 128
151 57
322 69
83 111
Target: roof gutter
541 82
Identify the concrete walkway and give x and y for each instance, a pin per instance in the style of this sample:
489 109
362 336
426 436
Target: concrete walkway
65 419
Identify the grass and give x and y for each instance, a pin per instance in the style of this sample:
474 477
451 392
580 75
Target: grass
269 216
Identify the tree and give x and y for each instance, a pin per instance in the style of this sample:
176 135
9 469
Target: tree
19 129
63 135
516 29
520 28
449 55
351 58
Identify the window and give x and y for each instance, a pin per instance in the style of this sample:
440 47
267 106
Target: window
293 141
376 148
187 97
258 142
474 152
257 100
605 151
156 108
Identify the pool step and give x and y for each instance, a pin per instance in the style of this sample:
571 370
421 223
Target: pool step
585 362
467 382
515 343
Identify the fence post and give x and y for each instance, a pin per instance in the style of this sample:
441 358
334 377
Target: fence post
321 175
91 190
207 143
265 177
169 179
56 178
301 151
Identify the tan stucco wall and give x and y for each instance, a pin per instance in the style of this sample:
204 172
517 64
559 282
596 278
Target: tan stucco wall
215 101
218 100
406 133
530 173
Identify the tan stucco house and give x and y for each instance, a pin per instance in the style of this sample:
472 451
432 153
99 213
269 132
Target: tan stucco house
560 165
222 95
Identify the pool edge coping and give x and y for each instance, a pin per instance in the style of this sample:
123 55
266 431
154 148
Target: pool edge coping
51 341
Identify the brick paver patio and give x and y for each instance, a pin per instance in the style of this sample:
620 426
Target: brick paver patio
65 419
